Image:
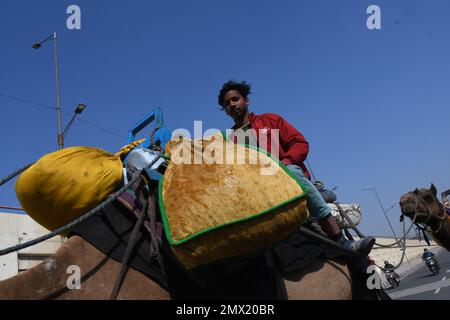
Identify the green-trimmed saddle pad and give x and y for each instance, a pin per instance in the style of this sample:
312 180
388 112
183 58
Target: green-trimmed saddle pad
213 211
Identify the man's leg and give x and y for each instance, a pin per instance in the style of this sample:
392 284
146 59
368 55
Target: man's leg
318 208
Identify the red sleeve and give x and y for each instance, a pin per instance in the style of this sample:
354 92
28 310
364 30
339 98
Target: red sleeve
293 143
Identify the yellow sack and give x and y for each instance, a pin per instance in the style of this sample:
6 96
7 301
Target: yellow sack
63 185
217 211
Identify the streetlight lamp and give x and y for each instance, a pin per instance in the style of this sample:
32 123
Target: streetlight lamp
79 109
37 45
382 208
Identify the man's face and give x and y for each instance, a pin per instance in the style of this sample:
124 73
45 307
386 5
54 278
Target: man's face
235 105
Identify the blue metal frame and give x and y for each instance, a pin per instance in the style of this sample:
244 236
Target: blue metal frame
162 135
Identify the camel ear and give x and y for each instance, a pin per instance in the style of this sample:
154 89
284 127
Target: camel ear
433 189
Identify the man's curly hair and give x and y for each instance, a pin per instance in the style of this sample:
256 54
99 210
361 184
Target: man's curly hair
243 88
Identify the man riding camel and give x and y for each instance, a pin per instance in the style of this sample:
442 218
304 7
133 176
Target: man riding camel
293 150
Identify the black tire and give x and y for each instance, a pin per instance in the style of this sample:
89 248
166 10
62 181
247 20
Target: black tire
392 283
434 270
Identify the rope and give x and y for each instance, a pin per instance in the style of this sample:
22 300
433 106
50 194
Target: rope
73 223
12 175
403 245
398 241
403 239
404 234
345 216
11 208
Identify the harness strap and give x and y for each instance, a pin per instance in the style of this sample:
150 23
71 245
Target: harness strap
144 195
142 207
429 216
442 219
328 241
156 243
126 258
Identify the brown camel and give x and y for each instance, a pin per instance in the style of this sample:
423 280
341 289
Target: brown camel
320 279
422 206
326 280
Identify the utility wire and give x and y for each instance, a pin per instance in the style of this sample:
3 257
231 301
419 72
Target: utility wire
27 101
65 113
101 128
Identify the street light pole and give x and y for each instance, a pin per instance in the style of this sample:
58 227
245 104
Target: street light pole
77 111
384 211
58 105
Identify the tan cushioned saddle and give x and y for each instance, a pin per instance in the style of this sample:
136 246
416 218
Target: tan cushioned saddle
221 208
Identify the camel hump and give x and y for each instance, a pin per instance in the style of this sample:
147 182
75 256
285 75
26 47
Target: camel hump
52 279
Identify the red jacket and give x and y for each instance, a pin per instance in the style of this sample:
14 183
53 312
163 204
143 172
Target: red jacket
293 147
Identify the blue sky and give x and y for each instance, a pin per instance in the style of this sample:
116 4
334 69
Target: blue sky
374 104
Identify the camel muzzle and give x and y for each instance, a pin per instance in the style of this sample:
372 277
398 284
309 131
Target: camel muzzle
408 208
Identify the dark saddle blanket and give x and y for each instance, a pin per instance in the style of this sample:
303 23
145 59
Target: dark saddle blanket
110 231
259 276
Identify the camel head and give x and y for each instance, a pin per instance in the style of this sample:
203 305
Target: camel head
421 203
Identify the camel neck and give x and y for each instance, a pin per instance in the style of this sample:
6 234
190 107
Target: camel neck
440 226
